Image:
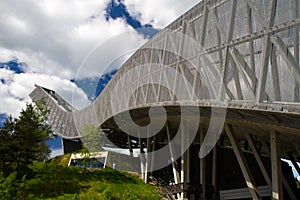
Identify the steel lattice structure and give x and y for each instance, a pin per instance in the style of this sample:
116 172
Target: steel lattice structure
238 55
254 48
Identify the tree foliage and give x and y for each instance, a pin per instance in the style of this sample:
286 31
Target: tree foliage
23 140
93 141
92 138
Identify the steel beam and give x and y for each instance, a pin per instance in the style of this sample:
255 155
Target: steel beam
287 56
275 76
258 159
296 45
276 166
288 188
251 45
243 163
238 87
203 32
224 70
244 69
163 63
266 55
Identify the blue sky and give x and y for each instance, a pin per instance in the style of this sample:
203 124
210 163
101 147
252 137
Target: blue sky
117 9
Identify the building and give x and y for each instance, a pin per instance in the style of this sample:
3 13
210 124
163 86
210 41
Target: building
213 98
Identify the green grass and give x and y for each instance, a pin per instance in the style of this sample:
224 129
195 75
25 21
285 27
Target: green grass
51 181
61 160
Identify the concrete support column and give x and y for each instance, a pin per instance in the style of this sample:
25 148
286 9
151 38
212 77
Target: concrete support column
182 178
142 160
152 158
185 160
141 154
130 146
214 171
276 166
148 159
175 172
202 167
188 167
187 154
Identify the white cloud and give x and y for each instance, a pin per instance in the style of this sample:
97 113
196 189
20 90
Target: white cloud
54 36
15 92
101 59
158 13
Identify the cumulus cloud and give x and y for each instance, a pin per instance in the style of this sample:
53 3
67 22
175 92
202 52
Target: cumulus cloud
17 87
55 36
158 13
64 40
101 60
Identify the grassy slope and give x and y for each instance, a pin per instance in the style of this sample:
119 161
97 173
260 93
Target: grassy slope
61 160
58 182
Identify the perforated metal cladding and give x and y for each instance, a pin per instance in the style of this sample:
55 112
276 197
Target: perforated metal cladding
251 48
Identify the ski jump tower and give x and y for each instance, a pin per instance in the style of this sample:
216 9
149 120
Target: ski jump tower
223 80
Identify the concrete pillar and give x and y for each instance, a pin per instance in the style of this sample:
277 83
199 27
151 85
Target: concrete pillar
276 166
130 146
202 167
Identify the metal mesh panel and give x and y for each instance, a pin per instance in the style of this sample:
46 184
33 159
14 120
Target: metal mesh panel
249 49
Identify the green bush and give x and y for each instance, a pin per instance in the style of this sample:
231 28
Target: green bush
8 186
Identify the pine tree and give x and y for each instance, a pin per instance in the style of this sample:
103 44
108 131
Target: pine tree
23 140
6 152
